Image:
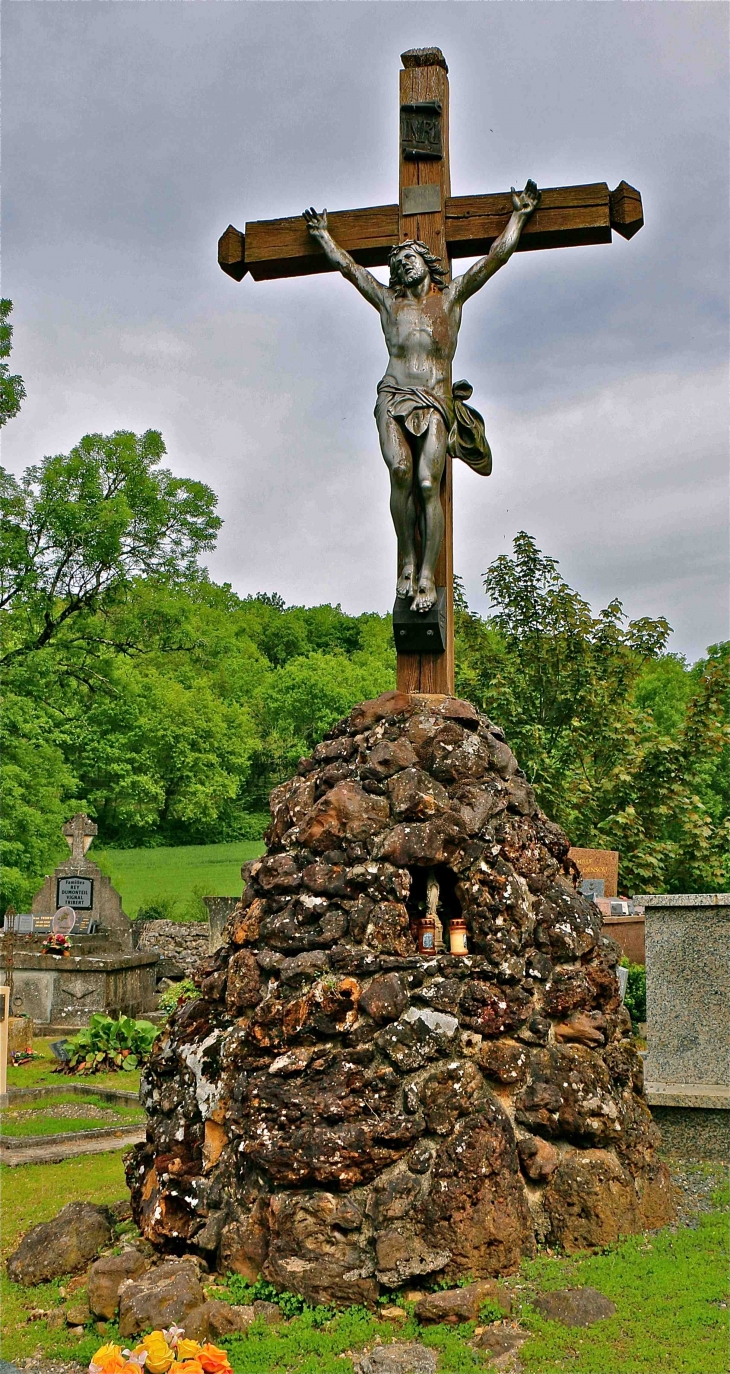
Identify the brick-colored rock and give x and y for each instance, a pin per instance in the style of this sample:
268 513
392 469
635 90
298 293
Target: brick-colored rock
106 1277
385 998
345 810
243 987
456 1305
538 1158
590 1201
416 796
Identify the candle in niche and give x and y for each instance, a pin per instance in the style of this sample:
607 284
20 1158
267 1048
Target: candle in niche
427 935
457 935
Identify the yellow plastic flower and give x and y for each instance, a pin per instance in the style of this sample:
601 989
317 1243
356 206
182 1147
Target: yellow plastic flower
104 1353
214 1360
159 1354
187 1350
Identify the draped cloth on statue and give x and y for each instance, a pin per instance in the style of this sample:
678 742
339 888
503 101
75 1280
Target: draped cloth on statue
414 407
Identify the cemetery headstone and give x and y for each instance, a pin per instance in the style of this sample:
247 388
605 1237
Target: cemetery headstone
70 961
687 1067
81 885
598 865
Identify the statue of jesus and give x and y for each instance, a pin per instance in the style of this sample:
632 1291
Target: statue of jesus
420 416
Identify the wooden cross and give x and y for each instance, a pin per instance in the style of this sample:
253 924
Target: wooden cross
452 227
78 834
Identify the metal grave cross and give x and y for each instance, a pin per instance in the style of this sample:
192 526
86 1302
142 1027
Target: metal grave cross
451 227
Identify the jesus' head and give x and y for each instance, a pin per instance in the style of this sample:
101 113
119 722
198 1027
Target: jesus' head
410 262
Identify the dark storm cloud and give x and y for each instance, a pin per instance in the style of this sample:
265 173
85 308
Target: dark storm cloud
134 132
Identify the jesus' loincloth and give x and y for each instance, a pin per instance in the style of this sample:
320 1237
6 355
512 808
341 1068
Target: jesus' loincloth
414 406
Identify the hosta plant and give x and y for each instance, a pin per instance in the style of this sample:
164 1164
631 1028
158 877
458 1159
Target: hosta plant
108 1045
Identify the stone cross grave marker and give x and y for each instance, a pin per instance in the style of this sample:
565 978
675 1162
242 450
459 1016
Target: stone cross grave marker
422 424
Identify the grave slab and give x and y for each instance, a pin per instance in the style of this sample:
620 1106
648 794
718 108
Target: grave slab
687 1067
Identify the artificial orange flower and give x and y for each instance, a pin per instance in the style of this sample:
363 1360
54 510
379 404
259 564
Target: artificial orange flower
187 1350
107 1360
159 1354
186 1367
214 1360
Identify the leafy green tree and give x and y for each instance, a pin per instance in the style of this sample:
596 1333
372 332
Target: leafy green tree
12 388
78 528
624 745
38 788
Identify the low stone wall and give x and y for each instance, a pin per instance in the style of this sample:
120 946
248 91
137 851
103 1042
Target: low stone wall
65 992
186 943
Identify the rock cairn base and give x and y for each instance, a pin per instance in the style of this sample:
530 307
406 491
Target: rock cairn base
344 1114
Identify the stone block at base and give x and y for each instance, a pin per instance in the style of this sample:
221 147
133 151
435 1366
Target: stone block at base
694 1133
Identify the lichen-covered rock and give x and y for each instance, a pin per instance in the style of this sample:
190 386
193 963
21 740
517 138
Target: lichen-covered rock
343 1113
169 1293
61 1246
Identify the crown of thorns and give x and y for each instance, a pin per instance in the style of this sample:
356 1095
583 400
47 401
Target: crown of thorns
436 269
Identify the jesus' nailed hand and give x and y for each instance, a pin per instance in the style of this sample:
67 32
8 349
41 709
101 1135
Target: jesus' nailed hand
420 314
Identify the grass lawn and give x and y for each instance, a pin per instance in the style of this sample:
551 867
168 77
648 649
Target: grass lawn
143 876
39 1072
38 1117
669 1287
33 1193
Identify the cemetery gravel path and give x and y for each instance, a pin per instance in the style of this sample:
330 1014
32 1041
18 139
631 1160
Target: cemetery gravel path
49 1152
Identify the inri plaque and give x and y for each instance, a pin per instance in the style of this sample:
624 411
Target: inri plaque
420 130
75 892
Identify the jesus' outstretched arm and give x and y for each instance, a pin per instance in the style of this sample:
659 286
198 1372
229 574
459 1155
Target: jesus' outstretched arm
366 283
524 204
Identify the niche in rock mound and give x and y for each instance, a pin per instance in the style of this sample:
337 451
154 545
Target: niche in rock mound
433 894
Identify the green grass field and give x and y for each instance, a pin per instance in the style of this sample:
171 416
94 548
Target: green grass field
180 875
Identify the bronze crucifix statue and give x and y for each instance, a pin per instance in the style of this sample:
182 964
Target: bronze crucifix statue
424 421
418 413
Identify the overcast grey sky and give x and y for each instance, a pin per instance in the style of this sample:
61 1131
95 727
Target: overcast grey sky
134 132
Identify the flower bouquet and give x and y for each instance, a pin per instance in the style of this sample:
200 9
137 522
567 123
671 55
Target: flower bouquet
162 1352
58 945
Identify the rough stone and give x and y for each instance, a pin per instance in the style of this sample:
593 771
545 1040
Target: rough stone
345 1114
456 1305
385 998
575 1306
500 1339
61 1246
398 1358
268 1312
106 1277
170 1292
224 1319
78 1314
538 1158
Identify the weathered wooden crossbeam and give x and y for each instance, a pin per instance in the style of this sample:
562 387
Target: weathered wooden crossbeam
568 216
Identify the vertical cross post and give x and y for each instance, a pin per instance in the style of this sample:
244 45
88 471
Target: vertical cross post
424 185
